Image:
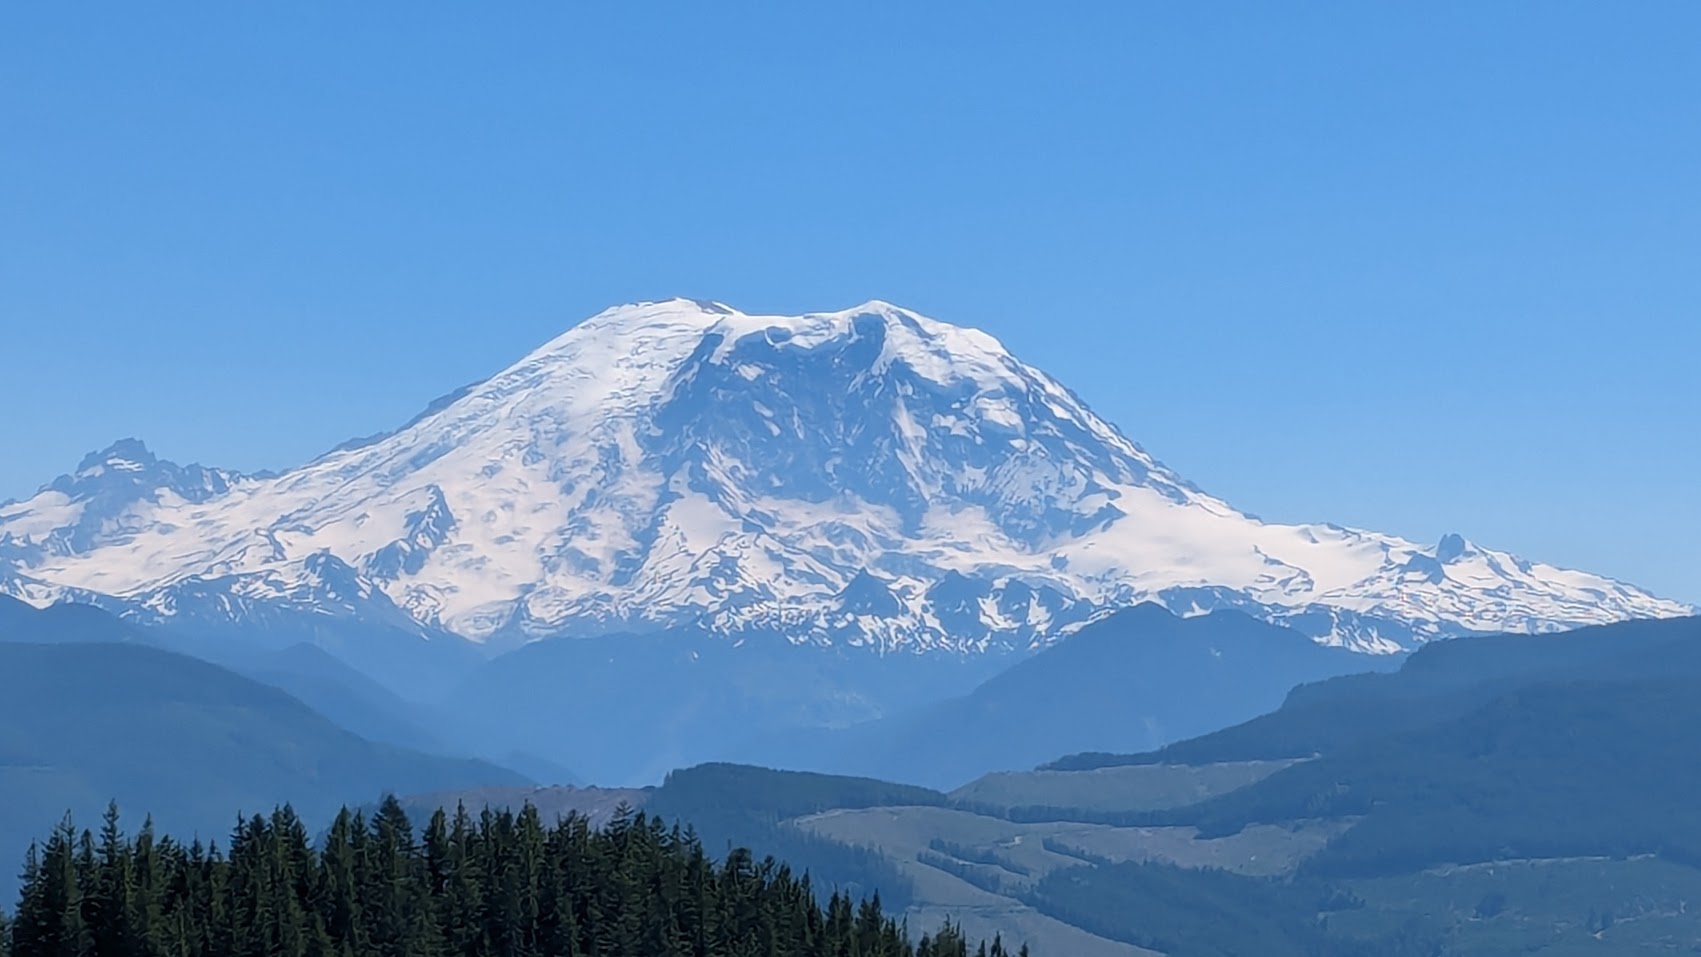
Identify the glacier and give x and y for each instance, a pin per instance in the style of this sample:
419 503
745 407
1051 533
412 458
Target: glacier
864 478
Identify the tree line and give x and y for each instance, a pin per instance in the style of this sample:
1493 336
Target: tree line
501 884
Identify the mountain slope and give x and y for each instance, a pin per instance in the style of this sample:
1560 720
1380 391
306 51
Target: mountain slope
345 696
184 740
1496 795
1136 679
1493 748
866 477
1561 769
61 624
308 672
1439 682
627 709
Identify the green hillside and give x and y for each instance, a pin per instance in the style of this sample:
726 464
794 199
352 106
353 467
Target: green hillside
183 740
1496 795
1561 770
1441 681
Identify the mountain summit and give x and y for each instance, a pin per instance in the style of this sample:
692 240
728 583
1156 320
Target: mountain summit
866 477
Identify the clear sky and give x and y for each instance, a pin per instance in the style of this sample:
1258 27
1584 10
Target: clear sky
1418 267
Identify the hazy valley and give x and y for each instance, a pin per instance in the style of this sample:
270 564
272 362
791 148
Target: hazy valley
1018 674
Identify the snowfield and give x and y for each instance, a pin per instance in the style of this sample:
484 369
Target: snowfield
871 477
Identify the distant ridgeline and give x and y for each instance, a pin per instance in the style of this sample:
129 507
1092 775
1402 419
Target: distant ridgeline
1495 795
504 883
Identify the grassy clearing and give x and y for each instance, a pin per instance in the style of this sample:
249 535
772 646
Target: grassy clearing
904 832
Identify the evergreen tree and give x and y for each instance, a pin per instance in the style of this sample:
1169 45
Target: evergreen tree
82 874
111 898
459 908
28 927
142 915
342 871
398 892
506 885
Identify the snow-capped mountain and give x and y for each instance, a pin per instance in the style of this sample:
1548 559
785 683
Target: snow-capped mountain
870 476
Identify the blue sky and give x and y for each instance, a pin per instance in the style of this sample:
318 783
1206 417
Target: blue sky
1420 267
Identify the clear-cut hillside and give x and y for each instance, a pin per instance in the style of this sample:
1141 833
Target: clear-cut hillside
870 476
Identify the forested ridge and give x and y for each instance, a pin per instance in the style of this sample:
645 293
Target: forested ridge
733 805
501 884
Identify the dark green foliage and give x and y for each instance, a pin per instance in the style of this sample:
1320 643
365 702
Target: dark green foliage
1056 846
979 855
989 878
1095 760
504 885
785 794
950 942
